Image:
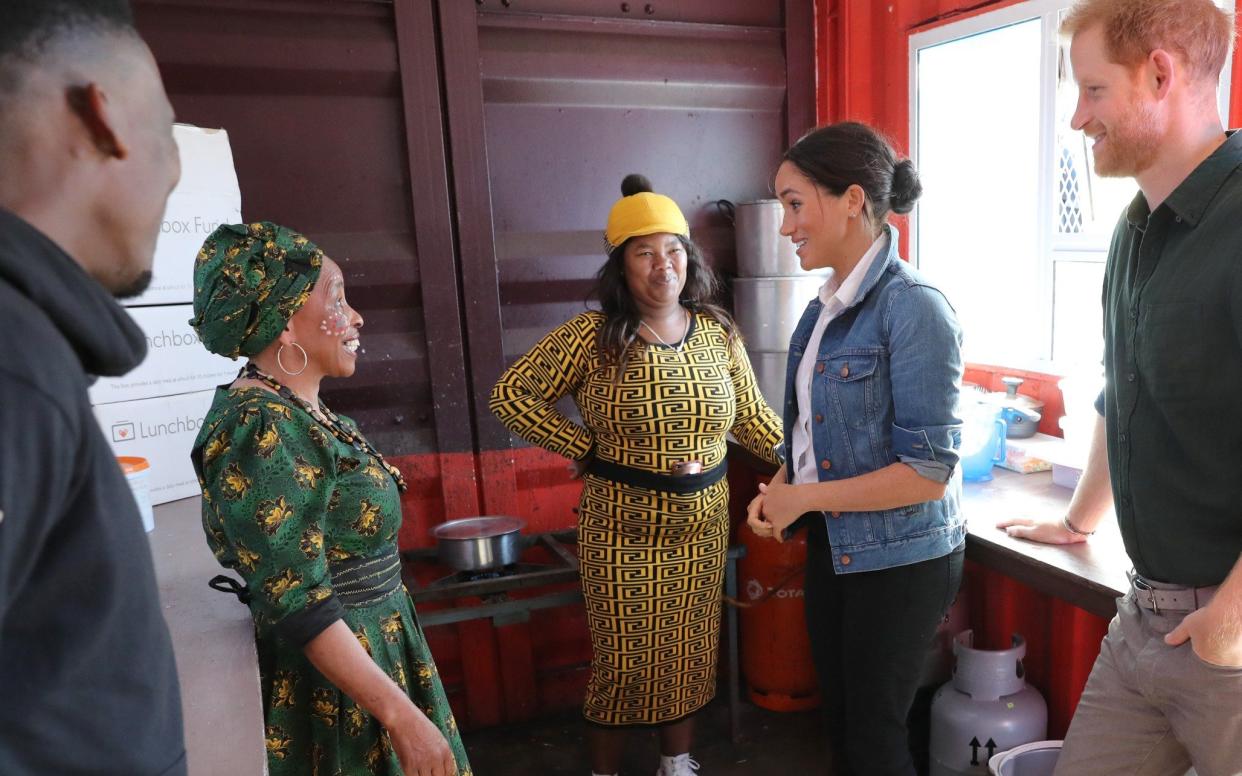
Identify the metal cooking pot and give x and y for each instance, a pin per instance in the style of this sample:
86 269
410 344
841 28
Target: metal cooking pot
767 310
1021 413
761 249
479 543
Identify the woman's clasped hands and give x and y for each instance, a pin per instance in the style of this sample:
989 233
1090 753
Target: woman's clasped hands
777 507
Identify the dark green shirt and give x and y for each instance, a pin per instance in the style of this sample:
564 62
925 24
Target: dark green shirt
1173 361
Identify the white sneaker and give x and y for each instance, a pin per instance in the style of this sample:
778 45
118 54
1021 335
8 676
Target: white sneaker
681 765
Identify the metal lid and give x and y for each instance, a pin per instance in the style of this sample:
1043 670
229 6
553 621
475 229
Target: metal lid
478 527
1011 398
1021 401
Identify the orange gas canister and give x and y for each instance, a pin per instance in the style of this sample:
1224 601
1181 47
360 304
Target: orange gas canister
776 652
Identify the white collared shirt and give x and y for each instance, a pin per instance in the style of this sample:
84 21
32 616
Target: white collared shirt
836 299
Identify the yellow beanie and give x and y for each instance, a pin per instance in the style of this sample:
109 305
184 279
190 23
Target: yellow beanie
641 212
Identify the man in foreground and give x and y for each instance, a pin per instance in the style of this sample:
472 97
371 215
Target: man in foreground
87 160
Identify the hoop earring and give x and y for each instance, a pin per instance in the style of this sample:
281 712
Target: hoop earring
305 360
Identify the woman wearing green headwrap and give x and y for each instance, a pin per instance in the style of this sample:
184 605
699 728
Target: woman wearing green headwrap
300 505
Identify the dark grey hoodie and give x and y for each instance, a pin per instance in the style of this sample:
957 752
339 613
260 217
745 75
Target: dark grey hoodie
87 678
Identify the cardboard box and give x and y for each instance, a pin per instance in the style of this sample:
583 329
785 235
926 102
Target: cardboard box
176 361
162 431
207 195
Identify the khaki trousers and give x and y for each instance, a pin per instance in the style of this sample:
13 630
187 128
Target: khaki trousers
1154 710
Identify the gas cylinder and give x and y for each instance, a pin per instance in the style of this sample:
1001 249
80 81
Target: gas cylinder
776 651
985 708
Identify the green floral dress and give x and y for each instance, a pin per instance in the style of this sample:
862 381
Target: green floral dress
283 499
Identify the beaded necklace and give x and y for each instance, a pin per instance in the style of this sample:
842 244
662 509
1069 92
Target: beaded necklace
326 418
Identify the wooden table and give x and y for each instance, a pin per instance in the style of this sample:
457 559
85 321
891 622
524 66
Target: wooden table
1089 575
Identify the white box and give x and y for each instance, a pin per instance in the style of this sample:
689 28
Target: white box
207 195
1065 475
162 431
176 361
1067 460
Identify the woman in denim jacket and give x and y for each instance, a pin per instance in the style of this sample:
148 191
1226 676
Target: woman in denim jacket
870 445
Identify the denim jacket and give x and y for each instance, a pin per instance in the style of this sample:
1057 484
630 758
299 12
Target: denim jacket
885 389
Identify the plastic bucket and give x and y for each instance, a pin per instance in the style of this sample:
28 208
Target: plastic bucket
1038 758
138 475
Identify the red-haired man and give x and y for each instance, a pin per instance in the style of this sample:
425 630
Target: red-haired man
1166 691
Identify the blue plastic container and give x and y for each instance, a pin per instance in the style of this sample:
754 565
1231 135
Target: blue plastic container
983 441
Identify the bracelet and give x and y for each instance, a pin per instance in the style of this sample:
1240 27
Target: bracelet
1070 527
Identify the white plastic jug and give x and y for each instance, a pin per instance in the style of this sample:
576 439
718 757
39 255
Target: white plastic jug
138 475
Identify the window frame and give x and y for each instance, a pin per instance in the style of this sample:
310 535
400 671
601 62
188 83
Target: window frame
1052 246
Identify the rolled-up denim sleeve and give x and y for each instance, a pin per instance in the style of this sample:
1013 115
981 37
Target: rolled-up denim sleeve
925 352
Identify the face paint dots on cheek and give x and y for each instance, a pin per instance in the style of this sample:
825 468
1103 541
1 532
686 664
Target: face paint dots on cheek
336 323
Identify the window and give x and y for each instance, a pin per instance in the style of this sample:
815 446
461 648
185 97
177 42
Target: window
1014 224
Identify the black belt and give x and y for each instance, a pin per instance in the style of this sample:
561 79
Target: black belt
359 582
356 582
669 483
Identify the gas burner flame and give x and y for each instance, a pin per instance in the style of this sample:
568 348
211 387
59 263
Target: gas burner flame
475 576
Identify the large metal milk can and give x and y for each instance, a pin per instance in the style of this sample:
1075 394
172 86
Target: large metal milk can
985 708
771 290
762 252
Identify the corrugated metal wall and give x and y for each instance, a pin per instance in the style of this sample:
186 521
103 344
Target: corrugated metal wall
565 99
311 94
698 107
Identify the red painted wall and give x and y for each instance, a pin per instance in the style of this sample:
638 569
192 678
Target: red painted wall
1037 385
513 672
545 497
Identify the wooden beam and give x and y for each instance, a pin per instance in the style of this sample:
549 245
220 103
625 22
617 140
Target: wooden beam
433 230
480 277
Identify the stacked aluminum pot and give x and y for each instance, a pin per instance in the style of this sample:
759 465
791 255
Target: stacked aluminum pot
770 293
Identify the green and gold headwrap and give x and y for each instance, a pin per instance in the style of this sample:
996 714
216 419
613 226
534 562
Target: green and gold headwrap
249 280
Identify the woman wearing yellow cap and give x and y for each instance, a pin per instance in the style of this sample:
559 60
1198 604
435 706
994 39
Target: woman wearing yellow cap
659 376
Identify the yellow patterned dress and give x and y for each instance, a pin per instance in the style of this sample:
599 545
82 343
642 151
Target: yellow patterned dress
289 507
652 561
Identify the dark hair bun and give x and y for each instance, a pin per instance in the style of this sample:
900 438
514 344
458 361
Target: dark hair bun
635 184
906 187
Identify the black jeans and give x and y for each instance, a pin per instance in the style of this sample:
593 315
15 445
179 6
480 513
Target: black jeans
869 633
